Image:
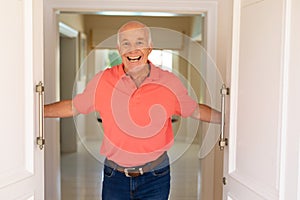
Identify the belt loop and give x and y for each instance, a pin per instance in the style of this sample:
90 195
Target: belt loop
111 164
115 167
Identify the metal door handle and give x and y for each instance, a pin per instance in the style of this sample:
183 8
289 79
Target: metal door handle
223 141
40 140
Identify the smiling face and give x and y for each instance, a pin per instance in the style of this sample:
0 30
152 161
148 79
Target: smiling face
134 45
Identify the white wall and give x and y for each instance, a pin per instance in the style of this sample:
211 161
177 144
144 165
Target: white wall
73 20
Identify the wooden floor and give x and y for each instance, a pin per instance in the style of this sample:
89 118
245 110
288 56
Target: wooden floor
81 175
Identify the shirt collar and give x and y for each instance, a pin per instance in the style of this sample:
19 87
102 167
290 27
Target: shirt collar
121 70
154 71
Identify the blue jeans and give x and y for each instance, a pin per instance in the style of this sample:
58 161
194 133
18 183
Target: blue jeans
153 185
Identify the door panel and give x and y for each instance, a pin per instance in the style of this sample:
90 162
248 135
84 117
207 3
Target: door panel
21 169
253 158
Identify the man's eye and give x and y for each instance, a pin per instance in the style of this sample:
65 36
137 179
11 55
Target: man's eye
125 44
140 43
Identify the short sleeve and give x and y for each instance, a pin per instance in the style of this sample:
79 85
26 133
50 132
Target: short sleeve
85 102
185 105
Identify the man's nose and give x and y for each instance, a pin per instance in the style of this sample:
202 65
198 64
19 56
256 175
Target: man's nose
132 48
135 46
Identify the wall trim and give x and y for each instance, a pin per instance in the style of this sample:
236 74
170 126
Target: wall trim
67 31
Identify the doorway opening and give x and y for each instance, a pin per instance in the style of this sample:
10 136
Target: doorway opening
80 171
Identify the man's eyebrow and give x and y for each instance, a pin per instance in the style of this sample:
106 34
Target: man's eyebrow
124 40
141 38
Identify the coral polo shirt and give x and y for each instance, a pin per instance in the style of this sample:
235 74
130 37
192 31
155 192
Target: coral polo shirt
136 121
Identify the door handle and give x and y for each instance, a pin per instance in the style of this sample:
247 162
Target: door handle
40 140
223 141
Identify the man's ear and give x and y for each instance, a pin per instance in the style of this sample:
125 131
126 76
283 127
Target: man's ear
150 47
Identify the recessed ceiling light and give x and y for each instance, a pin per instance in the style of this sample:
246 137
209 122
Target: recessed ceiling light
148 14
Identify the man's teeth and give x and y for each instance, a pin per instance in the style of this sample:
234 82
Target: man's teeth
134 58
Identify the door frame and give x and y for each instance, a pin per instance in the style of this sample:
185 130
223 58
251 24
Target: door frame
51 11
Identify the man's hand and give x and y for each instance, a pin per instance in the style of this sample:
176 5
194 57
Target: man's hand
207 114
59 109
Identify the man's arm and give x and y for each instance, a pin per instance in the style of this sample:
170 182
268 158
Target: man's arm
207 114
59 109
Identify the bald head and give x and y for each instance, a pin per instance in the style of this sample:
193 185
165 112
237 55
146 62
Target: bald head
134 25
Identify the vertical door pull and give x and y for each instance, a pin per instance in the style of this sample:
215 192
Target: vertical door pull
223 141
39 88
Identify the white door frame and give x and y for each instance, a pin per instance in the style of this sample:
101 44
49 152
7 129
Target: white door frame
51 9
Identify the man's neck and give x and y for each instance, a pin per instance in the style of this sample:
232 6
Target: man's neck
139 75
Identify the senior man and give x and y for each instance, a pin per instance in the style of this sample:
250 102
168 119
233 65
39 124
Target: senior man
136 101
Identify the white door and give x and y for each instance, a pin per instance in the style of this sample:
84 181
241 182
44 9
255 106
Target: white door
21 53
255 160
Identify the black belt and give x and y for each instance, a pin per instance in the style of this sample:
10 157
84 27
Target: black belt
139 170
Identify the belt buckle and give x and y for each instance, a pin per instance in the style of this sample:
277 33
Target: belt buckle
127 171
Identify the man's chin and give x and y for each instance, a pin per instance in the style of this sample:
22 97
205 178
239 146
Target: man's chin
131 66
